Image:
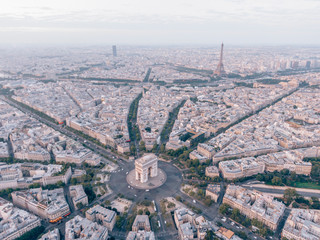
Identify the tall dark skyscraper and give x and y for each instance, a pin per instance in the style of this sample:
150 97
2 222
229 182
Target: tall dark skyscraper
114 50
308 64
220 68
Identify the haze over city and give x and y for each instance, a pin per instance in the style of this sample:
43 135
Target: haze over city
143 22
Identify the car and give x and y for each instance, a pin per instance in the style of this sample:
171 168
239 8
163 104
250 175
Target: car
128 186
127 173
194 201
232 223
147 190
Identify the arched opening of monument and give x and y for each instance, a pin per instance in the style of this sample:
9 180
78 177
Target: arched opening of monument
149 171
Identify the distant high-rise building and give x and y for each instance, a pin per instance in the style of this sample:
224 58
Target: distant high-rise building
294 64
308 64
114 50
220 68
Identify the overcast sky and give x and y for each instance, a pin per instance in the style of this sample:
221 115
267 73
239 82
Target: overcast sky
160 22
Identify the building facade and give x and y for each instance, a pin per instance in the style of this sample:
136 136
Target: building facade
78 195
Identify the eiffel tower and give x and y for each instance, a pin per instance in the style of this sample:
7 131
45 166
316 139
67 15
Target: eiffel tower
220 68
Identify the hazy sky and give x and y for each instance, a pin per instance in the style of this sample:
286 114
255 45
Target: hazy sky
174 22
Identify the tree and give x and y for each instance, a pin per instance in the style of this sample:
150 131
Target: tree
178 198
219 224
60 184
119 221
285 171
224 208
315 172
209 235
242 235
236 214
142 146
289 195
90 193
73 181
293 175
200 192
162 148
208 202
34 185
32 234
132 149
140 212
79 205
276 181
171 205
260 177
147 212
263 231
154 148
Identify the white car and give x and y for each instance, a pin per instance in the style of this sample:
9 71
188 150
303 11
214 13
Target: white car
194 201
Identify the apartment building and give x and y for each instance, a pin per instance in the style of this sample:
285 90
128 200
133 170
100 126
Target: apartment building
102 215
48 204
254 204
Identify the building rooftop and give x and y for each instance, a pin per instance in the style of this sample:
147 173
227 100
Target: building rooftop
107 214
80 227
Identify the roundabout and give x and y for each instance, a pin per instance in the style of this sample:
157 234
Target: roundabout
171 183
